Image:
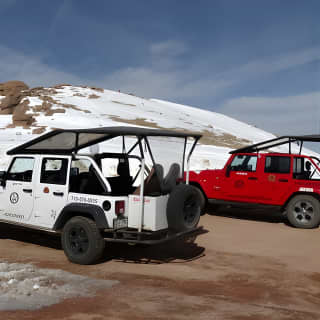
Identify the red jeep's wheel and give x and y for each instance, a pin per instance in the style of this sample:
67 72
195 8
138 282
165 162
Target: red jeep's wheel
303 211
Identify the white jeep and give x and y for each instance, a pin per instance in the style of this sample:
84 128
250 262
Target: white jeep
49 186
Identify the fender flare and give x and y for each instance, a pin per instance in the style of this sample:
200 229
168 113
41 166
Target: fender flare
82 209
313 194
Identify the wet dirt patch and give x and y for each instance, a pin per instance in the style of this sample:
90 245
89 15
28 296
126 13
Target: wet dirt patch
26 287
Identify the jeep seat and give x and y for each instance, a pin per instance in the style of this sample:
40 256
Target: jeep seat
153 182
170 180
122 184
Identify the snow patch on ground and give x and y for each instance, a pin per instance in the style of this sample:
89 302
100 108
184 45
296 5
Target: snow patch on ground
33 101
26 287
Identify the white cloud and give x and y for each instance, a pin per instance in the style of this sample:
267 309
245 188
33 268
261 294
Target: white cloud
273 64
17 66
144 82
287 115
168 48
165 77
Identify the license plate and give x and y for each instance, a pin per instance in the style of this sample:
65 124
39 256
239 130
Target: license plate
120 223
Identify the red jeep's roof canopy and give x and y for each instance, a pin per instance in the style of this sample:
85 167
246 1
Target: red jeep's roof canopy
277 142
68 141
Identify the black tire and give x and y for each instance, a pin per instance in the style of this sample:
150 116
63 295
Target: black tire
303 211
81 241
203 201
183 208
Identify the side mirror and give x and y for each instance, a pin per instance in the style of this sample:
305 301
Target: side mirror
228 170
2 178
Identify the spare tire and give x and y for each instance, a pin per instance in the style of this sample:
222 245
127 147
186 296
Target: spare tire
183 208
203 201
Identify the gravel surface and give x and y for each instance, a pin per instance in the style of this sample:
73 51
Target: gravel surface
246 267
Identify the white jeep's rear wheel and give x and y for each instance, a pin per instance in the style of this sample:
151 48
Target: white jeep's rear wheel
303 211
81 241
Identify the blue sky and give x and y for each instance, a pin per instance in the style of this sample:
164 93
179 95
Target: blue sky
255 60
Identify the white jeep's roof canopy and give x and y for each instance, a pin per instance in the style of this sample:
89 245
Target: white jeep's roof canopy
62 141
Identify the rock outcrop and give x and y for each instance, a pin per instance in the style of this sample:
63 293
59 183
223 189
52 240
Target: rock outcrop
13 92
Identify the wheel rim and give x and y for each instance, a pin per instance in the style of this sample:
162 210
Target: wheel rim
190 209
303 212
78 240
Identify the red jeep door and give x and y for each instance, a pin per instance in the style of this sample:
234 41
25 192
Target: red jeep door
241 180
275 179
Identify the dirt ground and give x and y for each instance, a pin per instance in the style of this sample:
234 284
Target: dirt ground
246 267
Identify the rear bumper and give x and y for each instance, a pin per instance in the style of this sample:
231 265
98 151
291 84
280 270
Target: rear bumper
150 238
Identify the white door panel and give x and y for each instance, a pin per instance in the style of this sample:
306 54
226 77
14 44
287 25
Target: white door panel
18 201
51 193
17 194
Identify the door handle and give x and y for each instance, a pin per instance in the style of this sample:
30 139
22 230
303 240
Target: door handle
27 190
58 194
283 180
252 178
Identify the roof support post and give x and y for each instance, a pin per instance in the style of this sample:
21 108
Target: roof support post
134 146
289 145
184 156
301 144
141 186
77 143
188 159
123 145
149 149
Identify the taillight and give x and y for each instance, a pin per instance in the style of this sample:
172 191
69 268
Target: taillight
120 207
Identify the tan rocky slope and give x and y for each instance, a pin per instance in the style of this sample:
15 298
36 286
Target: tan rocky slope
16 96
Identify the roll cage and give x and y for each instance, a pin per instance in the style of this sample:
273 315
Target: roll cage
69 142
264 145
283 140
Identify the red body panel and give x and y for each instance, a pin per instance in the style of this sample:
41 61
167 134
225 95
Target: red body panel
257 184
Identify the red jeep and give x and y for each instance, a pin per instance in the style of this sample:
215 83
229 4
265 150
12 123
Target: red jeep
286 181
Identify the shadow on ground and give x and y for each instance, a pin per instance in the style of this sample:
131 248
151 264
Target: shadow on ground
36 237
177 251
263 215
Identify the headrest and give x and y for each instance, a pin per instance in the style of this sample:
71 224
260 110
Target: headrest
123 168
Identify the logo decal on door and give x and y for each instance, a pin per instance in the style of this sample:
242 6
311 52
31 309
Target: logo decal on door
239 184
14 197
271 178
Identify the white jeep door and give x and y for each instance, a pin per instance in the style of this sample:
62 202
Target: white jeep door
52 189
17 193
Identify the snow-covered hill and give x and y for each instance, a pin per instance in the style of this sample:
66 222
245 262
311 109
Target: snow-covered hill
39 110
